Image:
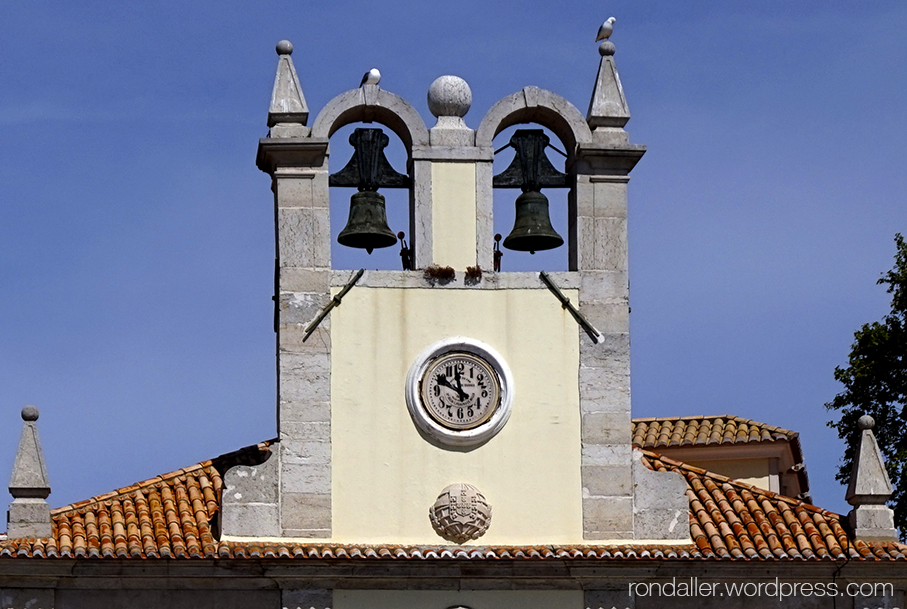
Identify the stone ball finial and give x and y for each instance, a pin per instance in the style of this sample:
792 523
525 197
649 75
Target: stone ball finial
284 47
449 96
29 413
606 48
866 422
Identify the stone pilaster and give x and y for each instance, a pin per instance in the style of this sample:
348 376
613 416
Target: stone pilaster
298 167
598 249
451 142
290 493
420 216
597 240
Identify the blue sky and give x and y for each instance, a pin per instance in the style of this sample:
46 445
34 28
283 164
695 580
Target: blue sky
137 234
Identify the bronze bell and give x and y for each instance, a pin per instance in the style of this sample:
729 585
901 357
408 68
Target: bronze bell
532 231
367 225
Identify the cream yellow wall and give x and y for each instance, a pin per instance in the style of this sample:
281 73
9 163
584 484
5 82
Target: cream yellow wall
453 191
386 476
443 599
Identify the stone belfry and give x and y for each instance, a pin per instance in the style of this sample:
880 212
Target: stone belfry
450 403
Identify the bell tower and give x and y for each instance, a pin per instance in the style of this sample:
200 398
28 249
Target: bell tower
451 403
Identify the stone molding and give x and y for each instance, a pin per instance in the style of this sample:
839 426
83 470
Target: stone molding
490 281
275 154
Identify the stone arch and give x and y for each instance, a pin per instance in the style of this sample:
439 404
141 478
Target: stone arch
535 105
370 103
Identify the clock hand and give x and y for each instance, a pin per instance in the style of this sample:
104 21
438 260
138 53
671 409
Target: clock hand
442 380
462 393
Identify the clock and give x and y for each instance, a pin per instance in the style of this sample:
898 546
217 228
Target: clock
459 392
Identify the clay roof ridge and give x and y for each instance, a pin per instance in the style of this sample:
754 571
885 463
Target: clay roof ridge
729 418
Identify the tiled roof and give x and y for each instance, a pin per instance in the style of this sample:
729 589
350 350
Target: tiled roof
670 432
173 515
176 515
667 434
730 519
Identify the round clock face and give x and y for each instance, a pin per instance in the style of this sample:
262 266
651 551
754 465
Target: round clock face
460 390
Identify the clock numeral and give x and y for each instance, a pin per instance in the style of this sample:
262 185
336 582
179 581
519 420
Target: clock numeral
484 393
480 378
459 413
437 390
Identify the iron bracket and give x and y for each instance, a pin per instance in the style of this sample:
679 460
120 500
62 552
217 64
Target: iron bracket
335 302
594 334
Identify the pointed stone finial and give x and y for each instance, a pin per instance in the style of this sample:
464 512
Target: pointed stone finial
288 112
608 106
869 489
29 514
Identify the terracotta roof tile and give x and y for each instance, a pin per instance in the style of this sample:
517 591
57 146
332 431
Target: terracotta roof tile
656 433
714 430
764 523
176 515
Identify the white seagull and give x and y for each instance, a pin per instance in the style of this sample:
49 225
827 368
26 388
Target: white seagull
372 77
604 32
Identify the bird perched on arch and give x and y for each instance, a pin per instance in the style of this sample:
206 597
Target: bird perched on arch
372 77
604 32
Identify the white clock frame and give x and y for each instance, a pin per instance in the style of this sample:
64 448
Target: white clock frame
465 437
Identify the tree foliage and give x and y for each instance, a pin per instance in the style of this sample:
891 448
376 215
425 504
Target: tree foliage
875 383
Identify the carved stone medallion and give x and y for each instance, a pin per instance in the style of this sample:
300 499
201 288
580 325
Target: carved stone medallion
460 513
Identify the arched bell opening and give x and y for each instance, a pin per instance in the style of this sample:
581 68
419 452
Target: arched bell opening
370 186
531 189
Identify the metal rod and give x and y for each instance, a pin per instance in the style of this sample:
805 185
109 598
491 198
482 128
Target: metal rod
594 334
557 150
335 302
